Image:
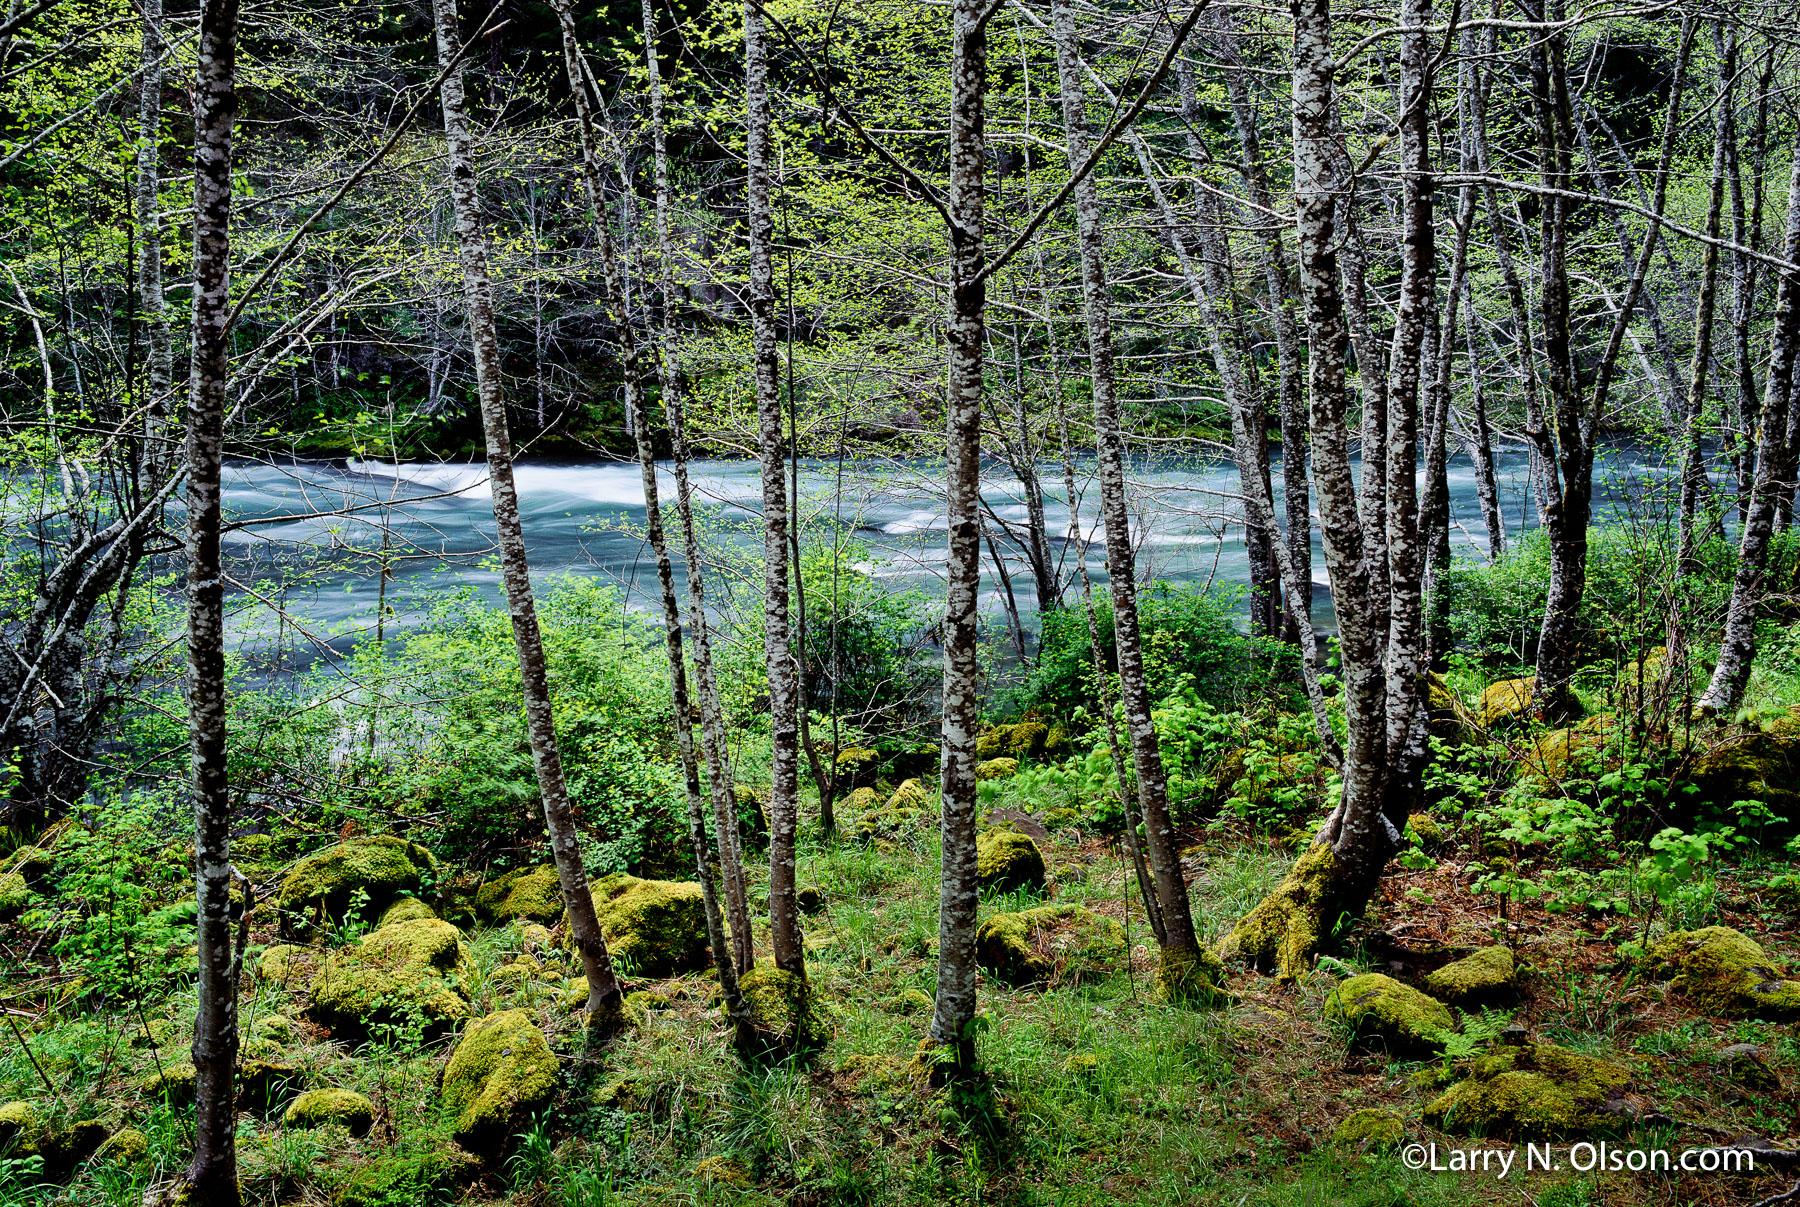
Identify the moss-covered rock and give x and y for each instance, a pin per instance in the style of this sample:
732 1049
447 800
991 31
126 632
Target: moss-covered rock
1506 702
33 863
1424 829
997 769
1486 978
1536 1091
1448 718
1372 1129
857 766
1747 1066
15 895
128 1146
811 899
1006 861
1051 943
277 1028
1760 764
911 1001
532 893
1377 1008
786 1009
410 967
510 978
266 1081
152 1033
285 964
174 1084
653 928
910 805
406 909
317 1108
22 1131
406 1179
1725 972
501 1073
375 869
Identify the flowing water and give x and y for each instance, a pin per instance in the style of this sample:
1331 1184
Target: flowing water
315 536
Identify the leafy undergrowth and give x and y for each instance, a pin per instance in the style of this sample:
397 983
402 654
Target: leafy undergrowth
1096 1092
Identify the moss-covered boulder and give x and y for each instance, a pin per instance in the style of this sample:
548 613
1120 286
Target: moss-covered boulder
501 1074
997 769
1536 1091
174 1083
909 806
1447 717
1760 764
373 870
811 899
1486 978
22 1130
285 964
653 928
1372 1129
1050 944
1006 861
1726 972
1377 1008
318 1108
857 766
406 909
1423 829
786 1009
408 968
128 1146
910 1001
533 894
403 1179
1506 702
1747 1067
15 895
33 863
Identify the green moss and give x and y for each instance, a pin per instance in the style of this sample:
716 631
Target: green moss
911 1001
1378 1008
128 1146
410 967
324 884
501 1073
909 805
1006 861
152 1033
1371 1129
15 895
811 899
1506 702
857 765
406 909
173 1083
265 1082
997 769
1056 943
1725 972
33 863
533 893
281 964
1485 978
1059 819
1758 764
317 1108
1192 975
1285 930
786 1009
1535 1091
21 1130
653 928
721 1171
405 1179
991 743
1027 739
909 798
277 1028
1424 829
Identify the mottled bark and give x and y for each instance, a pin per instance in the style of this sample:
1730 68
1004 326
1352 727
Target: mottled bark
1747 231
212 1176
784 688
604 997
721 785
1775 468
1134 689
958 893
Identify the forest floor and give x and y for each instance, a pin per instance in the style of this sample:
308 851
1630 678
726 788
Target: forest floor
1097 1092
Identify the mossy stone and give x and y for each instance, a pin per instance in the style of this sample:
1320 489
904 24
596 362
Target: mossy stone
501 1073
1378 1008
1725 972
997 769
1049 943
406 909
1027 739
33 863
510 978
810 899
317 1108
1760 765
278 1028
279 964
1507 701
1372 1129
406 1179
1747 1066
68 1146
174 1084
15 895
128 1146
857 765
786 1009
654 928
1485 978
152 1033
909 799
524 893
1424 829
391 973
21 1129
1535 1091
382 867
1006 861
911 1001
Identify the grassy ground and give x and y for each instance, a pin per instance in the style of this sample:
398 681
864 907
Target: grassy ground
1096 1092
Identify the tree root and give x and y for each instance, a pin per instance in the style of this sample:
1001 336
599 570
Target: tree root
1284 932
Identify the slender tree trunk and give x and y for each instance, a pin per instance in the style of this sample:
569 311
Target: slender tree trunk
1180 949
958 895
784 702
1693 466
160 362
1746 231
604 1004
1774 482
212 1177
673 384
631 360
